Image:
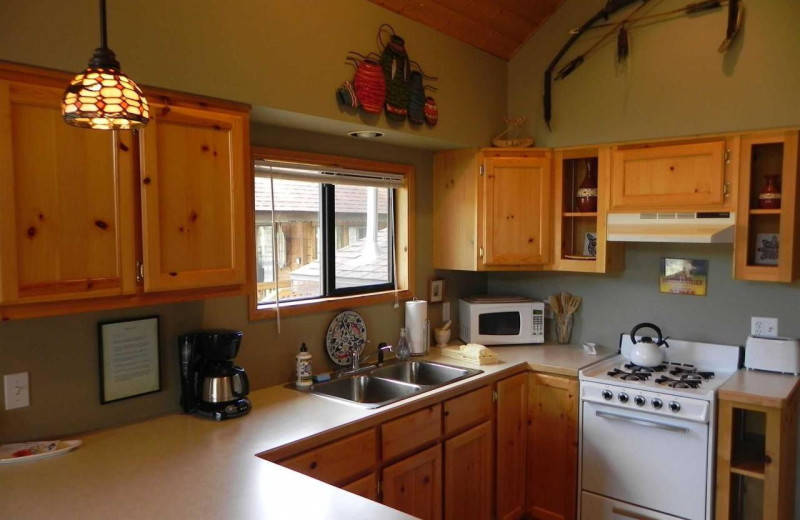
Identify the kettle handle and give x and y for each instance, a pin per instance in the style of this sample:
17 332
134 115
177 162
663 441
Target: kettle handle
245 383
660 341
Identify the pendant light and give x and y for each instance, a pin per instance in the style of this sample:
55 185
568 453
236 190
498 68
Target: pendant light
102 97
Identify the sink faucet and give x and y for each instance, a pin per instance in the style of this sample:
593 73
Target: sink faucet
354 358
382 347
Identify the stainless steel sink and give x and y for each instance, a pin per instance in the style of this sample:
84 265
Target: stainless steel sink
423 373
369 392
379 386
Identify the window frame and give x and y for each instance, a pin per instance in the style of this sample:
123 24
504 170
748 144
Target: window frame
403 236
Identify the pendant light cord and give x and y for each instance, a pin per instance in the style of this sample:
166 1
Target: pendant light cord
103 30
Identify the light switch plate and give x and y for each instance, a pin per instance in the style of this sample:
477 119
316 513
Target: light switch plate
446 311
16 390
764 327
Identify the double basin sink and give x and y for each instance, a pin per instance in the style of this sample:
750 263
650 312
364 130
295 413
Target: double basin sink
387 384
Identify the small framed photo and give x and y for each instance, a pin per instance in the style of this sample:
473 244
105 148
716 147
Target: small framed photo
436 291
129 359
683 276
767 248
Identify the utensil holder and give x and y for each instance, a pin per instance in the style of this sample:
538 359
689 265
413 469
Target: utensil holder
564 328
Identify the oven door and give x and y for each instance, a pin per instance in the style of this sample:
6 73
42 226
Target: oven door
656 462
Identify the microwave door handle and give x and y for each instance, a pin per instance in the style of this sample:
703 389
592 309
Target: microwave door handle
641 422
630 514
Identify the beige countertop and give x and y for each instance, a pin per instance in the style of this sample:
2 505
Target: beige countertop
760 388
184 466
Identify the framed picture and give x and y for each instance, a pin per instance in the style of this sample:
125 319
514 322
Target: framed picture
436 291
683 276
129 359
767 248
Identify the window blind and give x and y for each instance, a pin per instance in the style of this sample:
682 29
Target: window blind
326 174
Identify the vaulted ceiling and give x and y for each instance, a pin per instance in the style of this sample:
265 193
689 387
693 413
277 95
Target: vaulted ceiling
499 27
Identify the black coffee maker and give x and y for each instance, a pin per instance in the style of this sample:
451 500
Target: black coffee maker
210 383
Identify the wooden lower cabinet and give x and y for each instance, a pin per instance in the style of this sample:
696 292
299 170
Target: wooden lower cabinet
414 485
468 474
552 447
511 429
366 487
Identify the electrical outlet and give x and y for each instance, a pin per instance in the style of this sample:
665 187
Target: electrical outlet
446 311
764 327
16 390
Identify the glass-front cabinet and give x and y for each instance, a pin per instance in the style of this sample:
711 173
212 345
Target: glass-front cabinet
581 196
767 220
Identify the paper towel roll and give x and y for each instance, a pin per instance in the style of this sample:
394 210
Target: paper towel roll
416 326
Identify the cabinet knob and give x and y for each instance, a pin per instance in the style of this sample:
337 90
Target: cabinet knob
767 459
446 413
314 464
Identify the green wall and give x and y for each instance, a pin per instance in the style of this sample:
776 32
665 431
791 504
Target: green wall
282 55
675 82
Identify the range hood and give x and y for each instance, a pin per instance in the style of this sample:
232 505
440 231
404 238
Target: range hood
683 227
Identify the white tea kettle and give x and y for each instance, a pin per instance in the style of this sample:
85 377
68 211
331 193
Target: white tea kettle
646 352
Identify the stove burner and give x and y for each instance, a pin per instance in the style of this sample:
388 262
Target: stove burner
629 376
683 382
691 373
648 370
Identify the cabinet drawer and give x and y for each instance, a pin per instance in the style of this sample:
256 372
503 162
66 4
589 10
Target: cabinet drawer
410 431
467 409
366 487
338 461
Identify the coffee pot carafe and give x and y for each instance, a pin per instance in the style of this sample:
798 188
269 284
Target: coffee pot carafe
210 383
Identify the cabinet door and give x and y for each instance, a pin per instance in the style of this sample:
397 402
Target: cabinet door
414 485
67 196
366 487
766 247
455 217
516 210
193 167
512 413
552 447
468 474
649 178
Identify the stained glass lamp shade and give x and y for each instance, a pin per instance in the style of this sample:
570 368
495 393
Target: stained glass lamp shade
102 97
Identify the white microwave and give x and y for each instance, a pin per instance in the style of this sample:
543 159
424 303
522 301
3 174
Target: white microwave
492 320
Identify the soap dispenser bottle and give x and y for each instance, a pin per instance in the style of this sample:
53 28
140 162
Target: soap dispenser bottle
303 367
403 351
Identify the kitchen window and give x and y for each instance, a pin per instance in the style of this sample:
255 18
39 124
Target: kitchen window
329 232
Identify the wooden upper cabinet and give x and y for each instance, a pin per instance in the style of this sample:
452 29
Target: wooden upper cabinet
67 194
655 177
516 211
492 209
193 202
767 248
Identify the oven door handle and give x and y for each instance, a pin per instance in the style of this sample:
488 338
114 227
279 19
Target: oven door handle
630 514
641 422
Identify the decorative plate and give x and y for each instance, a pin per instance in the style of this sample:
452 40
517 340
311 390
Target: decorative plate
346 330
24 451
579 257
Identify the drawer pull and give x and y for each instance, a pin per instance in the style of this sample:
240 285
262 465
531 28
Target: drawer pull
314 465
446 413
630 514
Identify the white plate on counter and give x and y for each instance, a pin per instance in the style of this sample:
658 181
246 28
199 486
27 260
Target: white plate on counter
12 453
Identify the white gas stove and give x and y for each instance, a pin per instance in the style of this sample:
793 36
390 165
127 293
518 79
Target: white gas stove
666 415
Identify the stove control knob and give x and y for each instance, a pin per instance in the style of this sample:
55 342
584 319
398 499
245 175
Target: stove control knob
623 397
639 400
675 406
607 395
657 403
